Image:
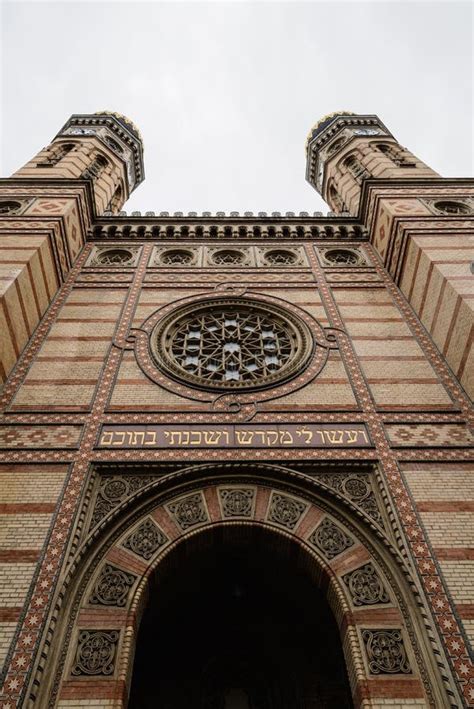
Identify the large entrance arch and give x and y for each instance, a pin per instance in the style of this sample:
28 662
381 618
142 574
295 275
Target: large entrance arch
338 550
235 619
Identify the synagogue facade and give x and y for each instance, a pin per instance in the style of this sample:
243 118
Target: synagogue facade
236 465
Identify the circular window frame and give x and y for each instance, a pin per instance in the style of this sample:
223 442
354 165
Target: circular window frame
161 340
465 208
13 207
358 256
97 260
293 262
241 254
162 254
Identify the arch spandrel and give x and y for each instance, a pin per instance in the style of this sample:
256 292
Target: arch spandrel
368 586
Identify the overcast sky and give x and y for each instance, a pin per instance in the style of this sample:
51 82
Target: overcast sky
225 93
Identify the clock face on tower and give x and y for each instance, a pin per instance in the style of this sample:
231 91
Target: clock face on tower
366 131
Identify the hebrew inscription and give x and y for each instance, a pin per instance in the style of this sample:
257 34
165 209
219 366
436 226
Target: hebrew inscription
235 436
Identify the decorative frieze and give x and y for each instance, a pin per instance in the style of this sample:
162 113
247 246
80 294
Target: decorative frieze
146 539
96 652
365 586
386 653
112 587
330 539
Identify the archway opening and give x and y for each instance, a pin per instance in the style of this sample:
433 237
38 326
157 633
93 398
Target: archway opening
236 618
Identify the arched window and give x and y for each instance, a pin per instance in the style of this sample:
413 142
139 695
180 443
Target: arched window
395 154
335 200
57 153
356 168
116 201
96 167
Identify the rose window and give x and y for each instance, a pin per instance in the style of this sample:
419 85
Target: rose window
231 343
176 256
114 257
228 257
280 257
341 257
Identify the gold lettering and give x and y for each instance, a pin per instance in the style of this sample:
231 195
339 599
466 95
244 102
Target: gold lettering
151 442
244 438
335 436
286 439
106 438
307 433
120 438
195 439
171 435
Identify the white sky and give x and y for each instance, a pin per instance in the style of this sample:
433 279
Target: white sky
225 93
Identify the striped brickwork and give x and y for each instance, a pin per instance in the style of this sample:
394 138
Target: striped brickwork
384 361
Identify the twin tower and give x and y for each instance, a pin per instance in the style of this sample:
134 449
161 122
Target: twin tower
418 222
342 150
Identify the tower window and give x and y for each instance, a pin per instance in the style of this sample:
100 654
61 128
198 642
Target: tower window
395 154
95 168
356 168
56 154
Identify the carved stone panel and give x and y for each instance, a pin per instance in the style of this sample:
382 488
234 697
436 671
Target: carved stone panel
386 653
146 539
365 586
330 539
286 511
357 488
237 501
112 587
188 511
113 490
95 652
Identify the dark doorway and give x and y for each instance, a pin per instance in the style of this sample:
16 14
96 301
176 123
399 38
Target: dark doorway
235 620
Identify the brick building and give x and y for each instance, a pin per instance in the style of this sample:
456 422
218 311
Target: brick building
236 468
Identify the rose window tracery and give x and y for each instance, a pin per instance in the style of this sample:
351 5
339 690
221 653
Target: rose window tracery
176 256
228 257
231 343
114 257
280 257
341 257
452 207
